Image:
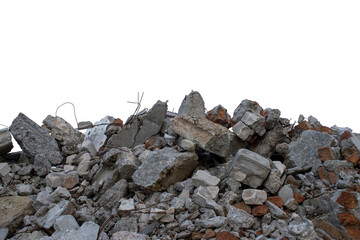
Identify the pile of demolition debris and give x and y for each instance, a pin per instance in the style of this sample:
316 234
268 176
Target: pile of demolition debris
163 175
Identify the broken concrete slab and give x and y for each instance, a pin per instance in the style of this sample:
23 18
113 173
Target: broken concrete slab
5 141
13 209
32 139
126 137
253 166
208 135
164 168
303 152
193 105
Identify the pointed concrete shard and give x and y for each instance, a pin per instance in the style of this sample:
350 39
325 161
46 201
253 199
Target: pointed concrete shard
97 133
210 136
32 138
164 168
193 105
5 141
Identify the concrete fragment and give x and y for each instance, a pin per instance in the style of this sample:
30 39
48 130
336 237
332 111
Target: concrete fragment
286 193
41 165
152 122
291 204
273 181
67 180
5 141
126 224
272 117
87 145
303 152
165 168
204 178
246 106
13 209
63 132
84 164
204 197
24 189
125 235
88 230
4 169
275 210
255 121
65 223
48 219
220 116
32 139
208 135
213 222
255 167
254 196
302 229
97 134
243 131
126 204
126 137
60 193
3 233
187 145
193 105
238 218
115 193
267 144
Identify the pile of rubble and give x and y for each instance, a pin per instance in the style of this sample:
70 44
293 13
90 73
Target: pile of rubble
163 175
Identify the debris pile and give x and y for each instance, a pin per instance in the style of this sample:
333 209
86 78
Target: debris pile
191 175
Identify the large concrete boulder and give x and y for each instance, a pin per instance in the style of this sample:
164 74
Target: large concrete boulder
250 166
193 105
210 136
303 152
164 168
32 139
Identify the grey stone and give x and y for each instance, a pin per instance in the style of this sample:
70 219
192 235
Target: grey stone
125 235
126 204
152 122
169 140
204 197
87 231
282 148
273 116
254 196
26 170
246 106
210 136
65 223
255 121
115 193
268 143
238 218
276 211
243 131
87 145
4 169
13 210
97 133
5 141
214 222
291 204
255 167
187 145
32 139
41 165
286 193
84 165
204 178
126 137
193 105
48 219
302 229
63 132
43 198
60 193
165 168
273 182
126 163
64 179
126 224
24 189
303 152
3 233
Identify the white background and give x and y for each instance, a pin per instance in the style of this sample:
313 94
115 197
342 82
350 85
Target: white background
302 57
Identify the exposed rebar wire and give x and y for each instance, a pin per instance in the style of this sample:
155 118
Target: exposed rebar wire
4 125
138 105
77 123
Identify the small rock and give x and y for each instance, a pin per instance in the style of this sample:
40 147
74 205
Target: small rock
220 116
187 145
286 193
65 223
254 196
4 169
5 141
259 211
276 211
204 178
24 189
60 193
224 235
238 218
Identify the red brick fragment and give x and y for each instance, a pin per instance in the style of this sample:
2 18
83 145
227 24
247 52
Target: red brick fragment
332 178
243 206
325 153
351 224
118 122
220 116
259 232
70 181
348 200
306 126
224 235
354 158
298 197
277 200
196 235
260 210
345 135
323 173
325 129
350 151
